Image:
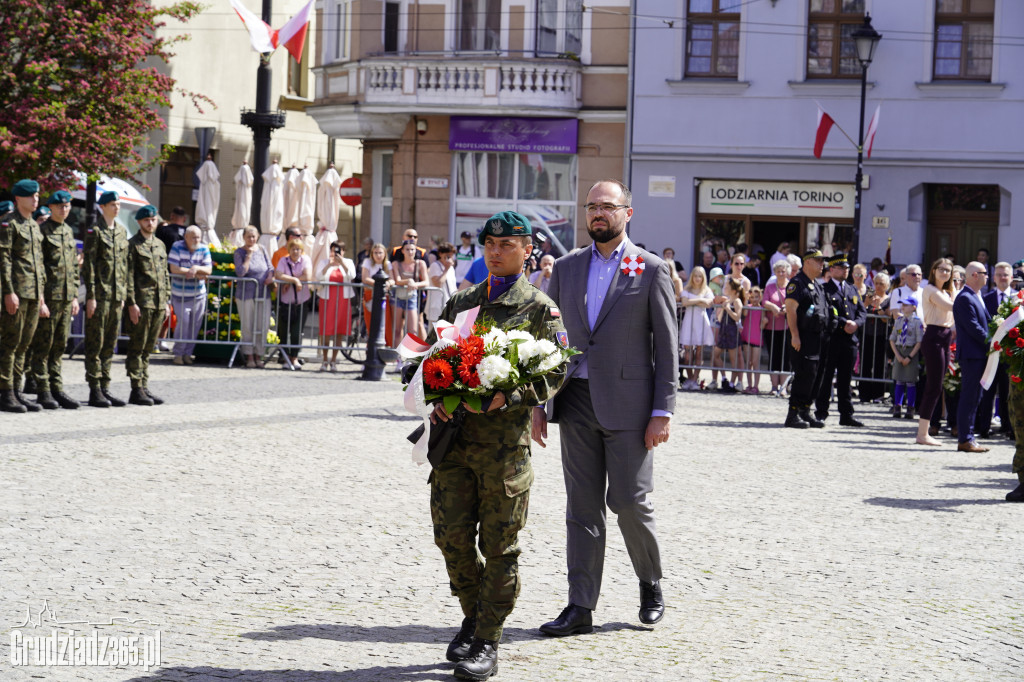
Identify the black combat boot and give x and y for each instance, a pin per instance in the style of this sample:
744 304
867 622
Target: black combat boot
46 401
30 405
116 402
482 661
793 420
96 397
805 414
156 400
458 650
66 401
138 397
8 403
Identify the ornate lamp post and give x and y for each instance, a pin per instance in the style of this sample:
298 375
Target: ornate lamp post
865 40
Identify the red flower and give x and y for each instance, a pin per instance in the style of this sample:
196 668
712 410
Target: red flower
1014 378
1013 333
1020 343
469 376
472 351
996 346
1009 352
448 353
952 347
437 374
481 328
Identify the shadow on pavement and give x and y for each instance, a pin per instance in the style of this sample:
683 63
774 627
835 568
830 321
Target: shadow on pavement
209 674
993 467
994 483
402 634
390 416
930 505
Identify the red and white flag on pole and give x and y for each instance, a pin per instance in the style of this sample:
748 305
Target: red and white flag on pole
869 139
293 34
825 124
262 37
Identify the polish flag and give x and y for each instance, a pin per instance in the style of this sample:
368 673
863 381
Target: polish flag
293 34
262 37
825 124
869 139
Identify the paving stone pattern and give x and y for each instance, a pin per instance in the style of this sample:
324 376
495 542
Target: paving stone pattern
271 526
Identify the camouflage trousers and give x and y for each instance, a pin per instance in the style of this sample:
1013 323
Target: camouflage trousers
1016 405
483 486
48 344
100 338
16 333
141 340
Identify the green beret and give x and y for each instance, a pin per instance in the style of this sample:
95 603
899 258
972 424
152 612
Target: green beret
41 211
59 197
506 224
6 207
25 188
814 253
838 261
147 211
107 197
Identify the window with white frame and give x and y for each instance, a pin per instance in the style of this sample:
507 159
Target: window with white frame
559 26
337 44
540 186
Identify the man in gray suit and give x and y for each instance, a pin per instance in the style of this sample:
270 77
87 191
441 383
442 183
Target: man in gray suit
618 306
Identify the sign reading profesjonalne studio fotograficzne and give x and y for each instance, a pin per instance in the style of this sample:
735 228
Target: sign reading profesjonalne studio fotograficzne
522 135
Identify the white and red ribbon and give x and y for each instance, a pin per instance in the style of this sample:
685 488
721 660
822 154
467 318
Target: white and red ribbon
989 375
632 265
414 347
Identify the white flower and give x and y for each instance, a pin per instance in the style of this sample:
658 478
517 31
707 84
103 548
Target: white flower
550 362
519 335
496 336
493 369
528 350
998 320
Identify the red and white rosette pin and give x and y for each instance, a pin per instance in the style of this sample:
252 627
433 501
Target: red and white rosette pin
633 265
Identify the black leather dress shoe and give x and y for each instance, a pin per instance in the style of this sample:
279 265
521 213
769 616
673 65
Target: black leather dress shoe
652 603
573 620
458 650
850 421
1016 495
481 663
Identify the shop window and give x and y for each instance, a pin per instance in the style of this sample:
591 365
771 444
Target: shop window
831 238
830 49
540 186
480 24
559 26
963 39
712 38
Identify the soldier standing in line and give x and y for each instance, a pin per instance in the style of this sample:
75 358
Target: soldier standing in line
850 315
104 273
22 283
807 317
485 478
147 300
60 260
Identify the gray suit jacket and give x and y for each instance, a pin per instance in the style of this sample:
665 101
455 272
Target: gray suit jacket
632 352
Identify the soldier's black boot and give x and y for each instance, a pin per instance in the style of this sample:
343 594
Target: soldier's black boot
30 405
138 397
30 385
482 661
156 400
458 650
96 397
8 403
793 420
116 402
66 401
46 401
805 414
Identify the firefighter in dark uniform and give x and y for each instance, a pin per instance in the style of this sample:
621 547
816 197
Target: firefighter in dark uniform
850 315
807 316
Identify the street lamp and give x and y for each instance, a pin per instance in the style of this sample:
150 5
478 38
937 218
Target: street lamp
865 40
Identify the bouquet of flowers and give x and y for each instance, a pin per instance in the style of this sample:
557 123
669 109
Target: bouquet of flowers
953 380
1006 340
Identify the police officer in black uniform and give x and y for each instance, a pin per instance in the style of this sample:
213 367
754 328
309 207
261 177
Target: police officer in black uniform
850 315
807 316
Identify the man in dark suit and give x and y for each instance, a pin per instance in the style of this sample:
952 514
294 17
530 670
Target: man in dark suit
1000 291
971 321
618 306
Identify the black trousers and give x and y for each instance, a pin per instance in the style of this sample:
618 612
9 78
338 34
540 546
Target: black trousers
842 356
807 372
1001 387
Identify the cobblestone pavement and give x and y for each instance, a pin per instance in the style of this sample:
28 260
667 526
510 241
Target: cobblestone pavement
271 527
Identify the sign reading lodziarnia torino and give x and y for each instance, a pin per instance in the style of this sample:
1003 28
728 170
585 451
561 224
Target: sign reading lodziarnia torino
750 197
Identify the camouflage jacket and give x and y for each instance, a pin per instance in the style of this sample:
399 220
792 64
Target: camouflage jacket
526 306
149 279
105 268
21 257
60 258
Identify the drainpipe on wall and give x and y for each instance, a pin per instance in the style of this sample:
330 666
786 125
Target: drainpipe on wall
627 157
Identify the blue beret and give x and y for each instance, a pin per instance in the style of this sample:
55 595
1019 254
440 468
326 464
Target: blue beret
42 210
506 224
107 197
59 197
147 211
25 188
6 207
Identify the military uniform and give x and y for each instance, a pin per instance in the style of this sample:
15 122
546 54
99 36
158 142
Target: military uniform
105 275
812 320
485 479
60 260
845 305
1016 412
21 273
148 287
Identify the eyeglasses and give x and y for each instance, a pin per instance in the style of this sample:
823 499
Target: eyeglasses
915 274
944 270
958 280
603 208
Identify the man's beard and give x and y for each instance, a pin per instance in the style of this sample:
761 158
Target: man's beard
604 234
